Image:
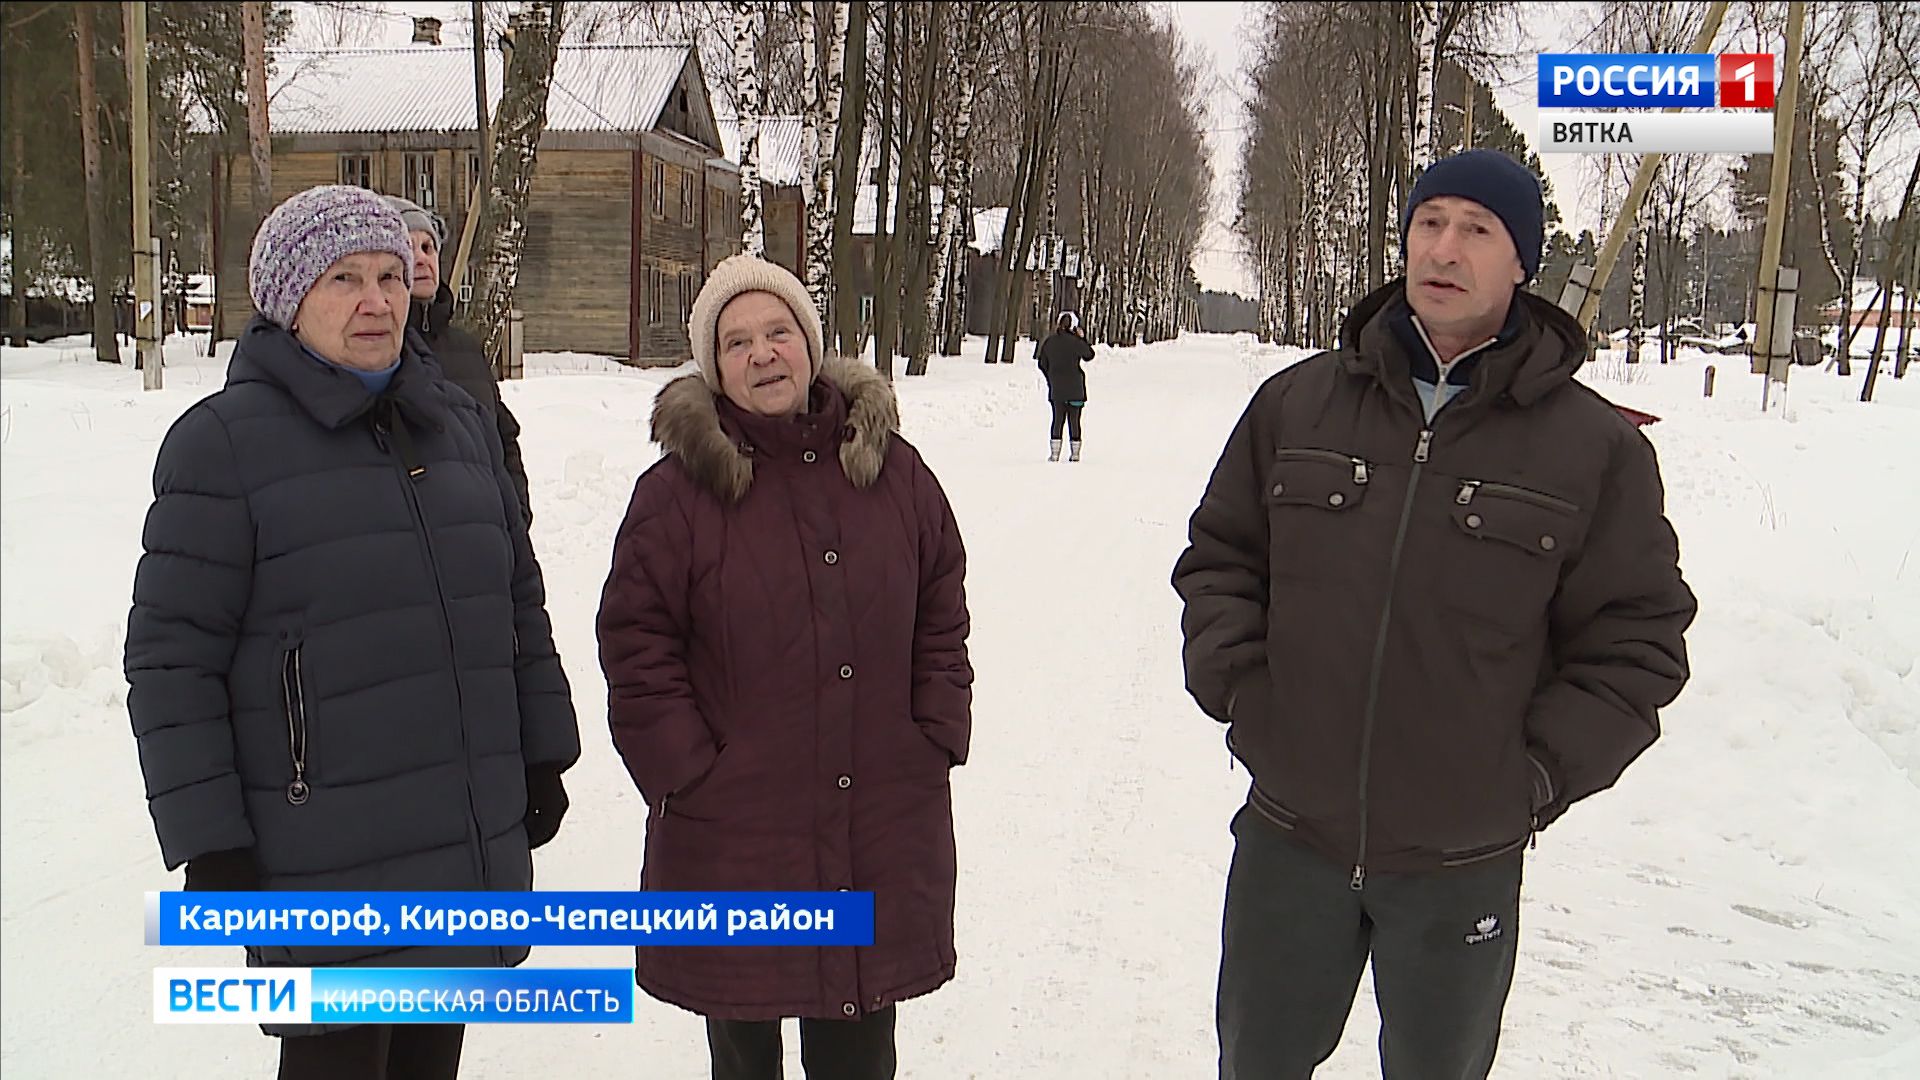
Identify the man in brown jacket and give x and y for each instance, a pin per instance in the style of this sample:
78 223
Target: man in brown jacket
1432 592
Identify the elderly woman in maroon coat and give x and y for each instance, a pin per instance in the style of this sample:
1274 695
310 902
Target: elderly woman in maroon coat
784 638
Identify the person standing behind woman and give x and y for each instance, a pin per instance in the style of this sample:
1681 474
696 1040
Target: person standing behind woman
430 315
341 670
1060 358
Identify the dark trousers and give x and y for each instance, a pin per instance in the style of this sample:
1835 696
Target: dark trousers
829 1049
375 1052
1296 938
1066 416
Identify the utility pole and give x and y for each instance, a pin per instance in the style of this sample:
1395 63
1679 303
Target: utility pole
146 253
1637 191
1764 348
482 180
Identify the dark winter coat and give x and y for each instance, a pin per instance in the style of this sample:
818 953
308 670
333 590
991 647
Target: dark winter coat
783 632
1060 358
340 667
465 364
1429 641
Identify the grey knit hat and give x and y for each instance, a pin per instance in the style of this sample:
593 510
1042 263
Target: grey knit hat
420 219
310 232
744 274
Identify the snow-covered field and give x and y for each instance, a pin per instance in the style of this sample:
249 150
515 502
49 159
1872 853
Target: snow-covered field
1745 904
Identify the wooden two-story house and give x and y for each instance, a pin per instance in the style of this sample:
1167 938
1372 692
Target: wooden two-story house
632 202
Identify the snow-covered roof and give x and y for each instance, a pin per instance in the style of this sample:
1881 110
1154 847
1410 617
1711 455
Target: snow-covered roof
988 224
782 141
866 211
429 88
991 223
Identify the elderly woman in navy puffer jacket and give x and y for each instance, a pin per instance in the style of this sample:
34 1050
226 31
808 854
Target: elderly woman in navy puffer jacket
342 671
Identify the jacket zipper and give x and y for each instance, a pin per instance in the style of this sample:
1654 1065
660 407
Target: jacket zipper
290 685
1421 451
446 624
1494 854
1471 488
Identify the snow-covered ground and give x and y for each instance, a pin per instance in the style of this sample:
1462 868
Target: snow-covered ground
1745 904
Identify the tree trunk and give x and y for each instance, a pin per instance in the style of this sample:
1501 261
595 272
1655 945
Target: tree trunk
522 117
851 137
919 221
1904 355
1426 41
17 271
823 115
1637 296
885 287
1052 85
253 38
106 341
1902 236
957 177
746 98
1004 286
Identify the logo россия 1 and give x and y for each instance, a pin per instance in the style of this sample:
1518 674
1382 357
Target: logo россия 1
1643 81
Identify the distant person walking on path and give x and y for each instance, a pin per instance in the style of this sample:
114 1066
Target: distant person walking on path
1060 358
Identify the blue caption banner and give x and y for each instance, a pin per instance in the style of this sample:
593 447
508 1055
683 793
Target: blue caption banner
1627 80
510 918
295 996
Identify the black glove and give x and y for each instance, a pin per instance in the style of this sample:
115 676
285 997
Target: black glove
546 804
223 871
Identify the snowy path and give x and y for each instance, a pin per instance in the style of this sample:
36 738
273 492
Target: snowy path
1743 905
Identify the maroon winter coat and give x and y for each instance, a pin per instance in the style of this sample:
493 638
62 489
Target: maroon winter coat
784 638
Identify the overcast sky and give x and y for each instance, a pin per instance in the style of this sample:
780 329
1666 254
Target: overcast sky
1221 31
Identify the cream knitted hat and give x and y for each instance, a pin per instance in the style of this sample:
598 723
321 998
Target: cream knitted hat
744 274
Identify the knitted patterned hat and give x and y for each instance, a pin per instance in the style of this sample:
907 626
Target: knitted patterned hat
744 274
310 232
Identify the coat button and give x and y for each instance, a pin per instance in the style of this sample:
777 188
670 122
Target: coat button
1336 499
1279 490
1547 543
1473 521
846 671
845 782
849 1008
809 457
831 557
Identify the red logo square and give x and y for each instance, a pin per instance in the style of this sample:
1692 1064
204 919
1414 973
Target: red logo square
1747 80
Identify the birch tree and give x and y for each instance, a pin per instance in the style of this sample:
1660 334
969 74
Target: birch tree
747 105
1425 15
822 125
521 118
957 177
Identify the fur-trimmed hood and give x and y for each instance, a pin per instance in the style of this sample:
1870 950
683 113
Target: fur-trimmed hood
687 424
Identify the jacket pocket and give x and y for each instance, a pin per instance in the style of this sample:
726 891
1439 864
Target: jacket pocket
294 699
1517 539
1468 856
1322 479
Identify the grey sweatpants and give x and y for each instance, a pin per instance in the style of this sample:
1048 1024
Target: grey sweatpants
1296 937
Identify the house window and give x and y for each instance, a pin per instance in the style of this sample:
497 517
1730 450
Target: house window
419 176
686 198
471 178
689 288
659 189
356 170
655 305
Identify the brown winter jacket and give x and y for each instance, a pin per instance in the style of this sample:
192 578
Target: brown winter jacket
1429 640
783 633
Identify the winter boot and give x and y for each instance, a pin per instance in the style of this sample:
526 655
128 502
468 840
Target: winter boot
1076 451
1053 454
